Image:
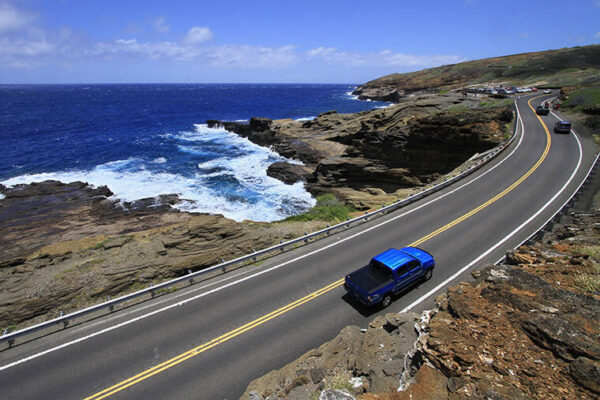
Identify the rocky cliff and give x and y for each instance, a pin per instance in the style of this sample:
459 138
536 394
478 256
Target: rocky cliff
526 329
368 158
65 246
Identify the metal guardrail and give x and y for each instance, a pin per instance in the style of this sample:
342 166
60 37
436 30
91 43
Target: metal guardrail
153 289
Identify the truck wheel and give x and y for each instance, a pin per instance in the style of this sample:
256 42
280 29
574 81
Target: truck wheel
428 274
387 299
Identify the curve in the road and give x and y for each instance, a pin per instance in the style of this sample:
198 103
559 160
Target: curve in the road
259 321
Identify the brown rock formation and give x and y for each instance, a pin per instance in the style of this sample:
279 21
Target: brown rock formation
66 246
375 358
369 157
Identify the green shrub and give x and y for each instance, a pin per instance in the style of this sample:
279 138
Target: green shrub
590 251
589 282
328 208
586 98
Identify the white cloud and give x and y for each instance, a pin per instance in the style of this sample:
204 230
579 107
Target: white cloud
12 19
229 56
198 34
37 47
160 24
384 58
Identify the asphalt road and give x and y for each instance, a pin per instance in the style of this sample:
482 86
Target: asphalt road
210 340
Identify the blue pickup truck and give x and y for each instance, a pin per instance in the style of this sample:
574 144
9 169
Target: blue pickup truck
388 273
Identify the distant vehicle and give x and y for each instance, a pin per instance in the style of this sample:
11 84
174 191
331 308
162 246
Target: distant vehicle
492 91
547 91
562 127
389 273
542 110
510 91
502 91
533 89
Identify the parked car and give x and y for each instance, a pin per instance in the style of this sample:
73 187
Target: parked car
542 110
389 273
547 91
562 127
533 89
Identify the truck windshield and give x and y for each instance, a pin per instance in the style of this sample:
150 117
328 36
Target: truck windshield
380 270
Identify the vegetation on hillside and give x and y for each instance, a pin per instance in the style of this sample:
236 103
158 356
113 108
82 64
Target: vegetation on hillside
575 66
585 99
328 208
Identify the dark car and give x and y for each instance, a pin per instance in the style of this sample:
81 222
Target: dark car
562 127
541 110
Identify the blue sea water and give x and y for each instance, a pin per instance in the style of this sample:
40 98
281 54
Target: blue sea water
146 140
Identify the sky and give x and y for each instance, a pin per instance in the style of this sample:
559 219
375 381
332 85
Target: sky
259 41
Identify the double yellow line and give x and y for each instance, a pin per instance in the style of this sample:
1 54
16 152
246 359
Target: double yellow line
259 321
215 342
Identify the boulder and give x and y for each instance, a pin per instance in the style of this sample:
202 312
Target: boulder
289 173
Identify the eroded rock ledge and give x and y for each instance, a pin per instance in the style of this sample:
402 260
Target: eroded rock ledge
526 329
66 246
369 158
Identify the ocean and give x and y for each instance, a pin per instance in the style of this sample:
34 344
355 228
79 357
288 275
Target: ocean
144 140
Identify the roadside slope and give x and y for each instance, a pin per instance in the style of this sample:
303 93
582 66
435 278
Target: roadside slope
574 66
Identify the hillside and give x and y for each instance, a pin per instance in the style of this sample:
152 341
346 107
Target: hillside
574 66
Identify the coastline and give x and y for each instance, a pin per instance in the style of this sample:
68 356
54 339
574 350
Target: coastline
79 253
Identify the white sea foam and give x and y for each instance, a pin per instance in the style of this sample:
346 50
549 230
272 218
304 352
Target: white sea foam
305 119
352 96
251 194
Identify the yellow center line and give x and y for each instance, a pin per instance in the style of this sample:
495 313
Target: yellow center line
206 346
274 314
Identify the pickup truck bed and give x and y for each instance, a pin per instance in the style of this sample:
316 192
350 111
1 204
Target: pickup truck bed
371 278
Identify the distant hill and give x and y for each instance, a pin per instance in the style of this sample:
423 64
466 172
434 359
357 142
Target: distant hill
573 66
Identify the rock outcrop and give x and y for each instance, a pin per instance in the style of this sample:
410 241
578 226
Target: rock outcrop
66 246
371 360
369 158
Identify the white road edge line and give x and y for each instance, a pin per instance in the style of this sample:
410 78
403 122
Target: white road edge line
463 269
83 338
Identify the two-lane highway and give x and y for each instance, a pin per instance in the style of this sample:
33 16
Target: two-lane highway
210 340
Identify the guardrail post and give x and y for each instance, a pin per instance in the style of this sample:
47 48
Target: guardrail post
112 306
152 292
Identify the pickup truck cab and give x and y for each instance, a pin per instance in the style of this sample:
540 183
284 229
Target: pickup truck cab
389 273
